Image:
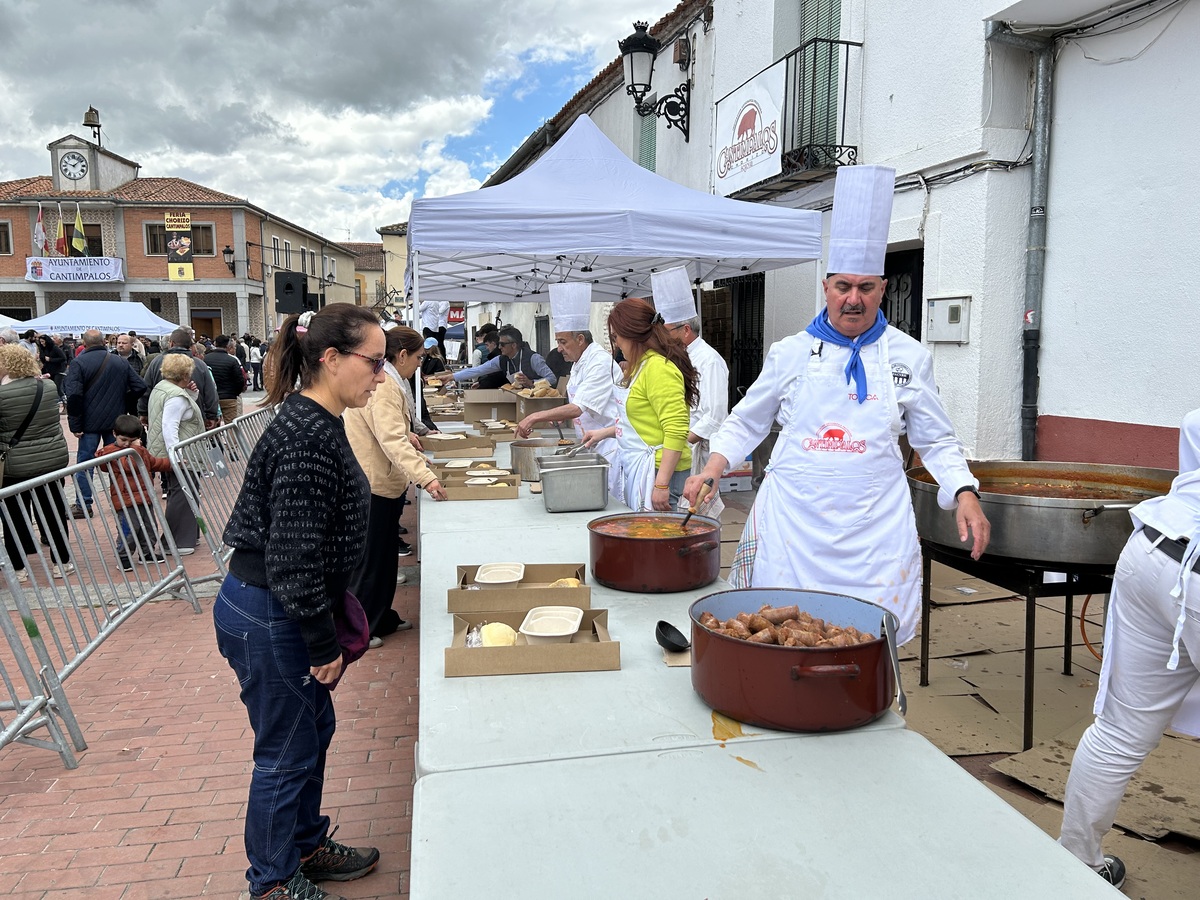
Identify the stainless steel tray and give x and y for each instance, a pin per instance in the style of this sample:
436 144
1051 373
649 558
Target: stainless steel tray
575 488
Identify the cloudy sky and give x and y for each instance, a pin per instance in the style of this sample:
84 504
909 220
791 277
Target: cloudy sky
335 115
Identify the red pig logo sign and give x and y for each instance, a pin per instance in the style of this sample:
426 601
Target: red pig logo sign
834 438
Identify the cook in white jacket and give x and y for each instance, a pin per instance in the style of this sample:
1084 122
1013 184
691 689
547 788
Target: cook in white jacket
435 316
1151 659
834 511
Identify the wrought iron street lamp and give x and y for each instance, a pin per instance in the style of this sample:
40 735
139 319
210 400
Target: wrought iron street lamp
638 52
227 255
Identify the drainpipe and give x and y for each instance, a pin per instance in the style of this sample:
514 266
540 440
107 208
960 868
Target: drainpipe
1035 253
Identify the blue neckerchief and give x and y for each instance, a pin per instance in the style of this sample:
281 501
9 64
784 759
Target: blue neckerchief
820 328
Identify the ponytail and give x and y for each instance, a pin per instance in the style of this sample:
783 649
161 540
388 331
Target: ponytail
635 320
293 362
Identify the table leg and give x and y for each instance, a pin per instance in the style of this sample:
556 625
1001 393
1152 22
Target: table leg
1067 623
1030 628
926 573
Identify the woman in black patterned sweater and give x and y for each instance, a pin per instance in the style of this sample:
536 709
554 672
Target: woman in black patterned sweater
297 530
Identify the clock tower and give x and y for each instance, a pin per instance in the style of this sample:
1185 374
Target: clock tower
80 165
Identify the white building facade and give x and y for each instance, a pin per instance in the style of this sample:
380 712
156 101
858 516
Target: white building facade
949 99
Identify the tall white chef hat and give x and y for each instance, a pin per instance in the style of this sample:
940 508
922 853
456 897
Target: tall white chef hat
571 305
673 297
862 211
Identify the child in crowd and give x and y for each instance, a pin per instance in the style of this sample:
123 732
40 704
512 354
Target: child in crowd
129 492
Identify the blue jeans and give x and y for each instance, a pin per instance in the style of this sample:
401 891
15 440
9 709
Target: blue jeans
89 443
292 716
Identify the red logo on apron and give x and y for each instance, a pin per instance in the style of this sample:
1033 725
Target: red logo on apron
834 438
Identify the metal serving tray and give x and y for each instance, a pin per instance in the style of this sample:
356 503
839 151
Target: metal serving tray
575 488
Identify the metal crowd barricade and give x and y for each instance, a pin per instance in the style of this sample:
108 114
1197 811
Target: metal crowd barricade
252 425
70 583
211 468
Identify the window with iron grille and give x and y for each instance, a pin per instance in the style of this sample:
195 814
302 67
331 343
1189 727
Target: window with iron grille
6 244
748 315
648 145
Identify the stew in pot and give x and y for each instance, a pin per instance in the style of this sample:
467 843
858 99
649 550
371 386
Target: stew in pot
649 527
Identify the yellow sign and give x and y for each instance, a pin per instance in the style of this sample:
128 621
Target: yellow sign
179 246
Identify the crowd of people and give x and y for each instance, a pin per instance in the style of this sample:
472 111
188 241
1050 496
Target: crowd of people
111 392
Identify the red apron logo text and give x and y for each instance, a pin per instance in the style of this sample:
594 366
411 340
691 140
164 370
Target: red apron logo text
834 438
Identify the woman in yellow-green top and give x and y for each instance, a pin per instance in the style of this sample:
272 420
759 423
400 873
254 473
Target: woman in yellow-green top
659 388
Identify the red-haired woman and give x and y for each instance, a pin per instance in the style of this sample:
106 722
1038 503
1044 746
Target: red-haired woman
660 386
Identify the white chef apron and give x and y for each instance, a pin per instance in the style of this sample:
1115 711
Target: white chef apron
638 469
833 512
589 421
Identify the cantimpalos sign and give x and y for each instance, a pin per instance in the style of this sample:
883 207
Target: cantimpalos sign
748 146
73 268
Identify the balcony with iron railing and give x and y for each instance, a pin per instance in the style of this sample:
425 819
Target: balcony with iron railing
822 81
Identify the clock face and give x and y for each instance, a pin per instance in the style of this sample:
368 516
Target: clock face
73 165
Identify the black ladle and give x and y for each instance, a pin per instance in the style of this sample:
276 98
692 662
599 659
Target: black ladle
671 638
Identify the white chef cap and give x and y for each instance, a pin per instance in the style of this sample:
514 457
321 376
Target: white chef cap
673 297
862 211
571 305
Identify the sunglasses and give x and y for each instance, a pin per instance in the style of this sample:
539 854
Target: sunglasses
376 363
507 343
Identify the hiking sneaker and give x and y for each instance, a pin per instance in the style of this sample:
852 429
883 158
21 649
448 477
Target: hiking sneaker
78 512
63 570
297 888
405 548
1113 871
126 564
332 861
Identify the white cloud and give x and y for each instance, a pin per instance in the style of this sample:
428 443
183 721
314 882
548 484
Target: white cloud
308 109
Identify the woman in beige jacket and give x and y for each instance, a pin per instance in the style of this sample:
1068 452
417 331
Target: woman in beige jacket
379 436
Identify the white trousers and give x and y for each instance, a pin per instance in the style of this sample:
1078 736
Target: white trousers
1143 694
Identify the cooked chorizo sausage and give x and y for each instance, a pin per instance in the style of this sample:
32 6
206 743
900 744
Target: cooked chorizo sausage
777 615
767 636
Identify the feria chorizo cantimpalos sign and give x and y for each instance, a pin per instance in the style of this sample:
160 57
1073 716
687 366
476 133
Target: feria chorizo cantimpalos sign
73 268
748 147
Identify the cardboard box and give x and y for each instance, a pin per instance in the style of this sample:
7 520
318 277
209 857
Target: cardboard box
527 405
446 414
470 447
590 650
499 435
474 412
737 483
532 590
483 491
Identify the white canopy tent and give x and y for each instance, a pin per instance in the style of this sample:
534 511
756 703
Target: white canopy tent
585 211
6 322
107 316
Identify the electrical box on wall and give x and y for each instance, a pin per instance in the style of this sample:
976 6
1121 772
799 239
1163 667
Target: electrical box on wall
948 320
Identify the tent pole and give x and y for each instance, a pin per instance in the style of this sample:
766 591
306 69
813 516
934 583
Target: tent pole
414 301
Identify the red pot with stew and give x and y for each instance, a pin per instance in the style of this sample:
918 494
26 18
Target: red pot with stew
652 553
796 688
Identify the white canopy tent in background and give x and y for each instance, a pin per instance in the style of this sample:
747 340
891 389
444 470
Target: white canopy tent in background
6 322
586 212
107 316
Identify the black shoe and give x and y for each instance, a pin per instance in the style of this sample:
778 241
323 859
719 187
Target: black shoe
405 549
78 512
402 530
152 557
297 888
336 862
1113 871
126 564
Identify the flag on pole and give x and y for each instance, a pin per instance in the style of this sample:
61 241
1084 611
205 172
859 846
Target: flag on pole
78 241
60 240
40 247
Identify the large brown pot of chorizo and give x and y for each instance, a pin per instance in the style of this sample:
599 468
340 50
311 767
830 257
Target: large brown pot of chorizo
652 553
794 660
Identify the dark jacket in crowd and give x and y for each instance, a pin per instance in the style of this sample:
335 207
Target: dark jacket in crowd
134 359
54 361
200 374
227 373
43 447
111 378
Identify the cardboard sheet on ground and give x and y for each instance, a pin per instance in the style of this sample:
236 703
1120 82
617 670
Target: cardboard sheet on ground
959 725
1095 612
1154 871
998 626
1161 797
992 670
949 586
731 514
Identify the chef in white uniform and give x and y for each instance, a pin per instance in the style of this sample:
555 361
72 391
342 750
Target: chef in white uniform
834 512
435 317
591 398
1151 671
675 302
